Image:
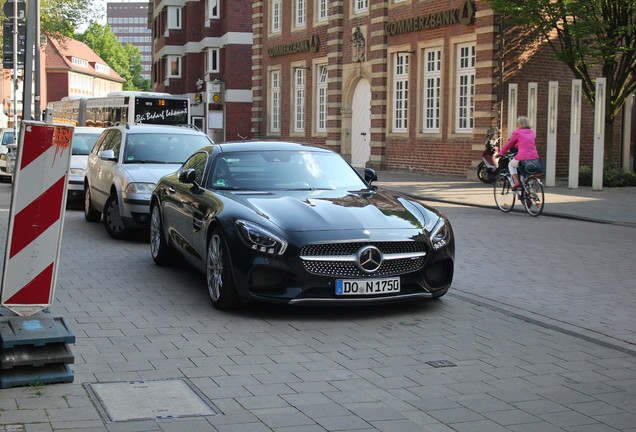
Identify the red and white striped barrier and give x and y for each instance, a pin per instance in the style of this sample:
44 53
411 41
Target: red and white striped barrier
37 217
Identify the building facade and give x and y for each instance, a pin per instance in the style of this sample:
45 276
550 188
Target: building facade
73 69
128 20
203 49
404 84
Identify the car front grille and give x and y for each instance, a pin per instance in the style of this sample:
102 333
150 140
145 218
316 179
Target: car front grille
394 262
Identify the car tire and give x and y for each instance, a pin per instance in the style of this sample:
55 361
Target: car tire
161 249
219 275
90 214
113 222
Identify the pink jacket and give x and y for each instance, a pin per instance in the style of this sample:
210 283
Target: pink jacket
524 141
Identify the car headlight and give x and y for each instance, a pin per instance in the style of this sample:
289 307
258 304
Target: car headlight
77 172
260 239
3 156
140 187
440 234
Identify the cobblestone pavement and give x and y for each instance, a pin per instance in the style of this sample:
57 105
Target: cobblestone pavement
517 341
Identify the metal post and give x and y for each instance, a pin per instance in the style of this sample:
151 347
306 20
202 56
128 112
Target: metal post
532 105
512 109
27 90
15 72
575 134
551 142
37 90
599 135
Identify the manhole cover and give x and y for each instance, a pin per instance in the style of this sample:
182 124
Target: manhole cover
142 400
441 363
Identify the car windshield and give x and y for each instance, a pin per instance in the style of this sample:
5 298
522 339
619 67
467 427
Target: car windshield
83 143
284 170
7 138
165 147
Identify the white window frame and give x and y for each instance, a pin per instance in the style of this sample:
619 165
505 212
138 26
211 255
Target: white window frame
212 63
400 111
321 98
300 13
213 8
174 18
465 88
276 16
322 12
169 61
360 6
431 91
274 91
299 99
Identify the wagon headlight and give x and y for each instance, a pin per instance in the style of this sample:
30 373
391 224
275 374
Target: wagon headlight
77 172
140 187
440 234
260 239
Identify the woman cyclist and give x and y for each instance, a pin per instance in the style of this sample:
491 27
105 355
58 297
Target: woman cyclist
523 140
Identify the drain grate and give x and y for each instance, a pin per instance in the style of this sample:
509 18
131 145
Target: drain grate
143 400
441 363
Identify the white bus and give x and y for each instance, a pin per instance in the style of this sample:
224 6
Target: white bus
120 107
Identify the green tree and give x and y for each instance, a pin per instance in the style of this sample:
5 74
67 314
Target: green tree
64 16
105 44
126 61
585 34
134 59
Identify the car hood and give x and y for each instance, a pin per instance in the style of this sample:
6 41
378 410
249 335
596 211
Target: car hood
341 210
79 161
148 173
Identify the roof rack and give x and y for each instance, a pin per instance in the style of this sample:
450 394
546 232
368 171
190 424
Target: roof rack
188 125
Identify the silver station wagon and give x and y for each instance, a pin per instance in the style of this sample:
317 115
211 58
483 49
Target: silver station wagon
124 167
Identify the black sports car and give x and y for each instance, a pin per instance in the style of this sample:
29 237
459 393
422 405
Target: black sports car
289 223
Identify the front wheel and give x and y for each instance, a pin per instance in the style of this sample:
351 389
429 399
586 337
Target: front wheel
484 174
160 248
219 273
534 200
504 195
113 221
90 214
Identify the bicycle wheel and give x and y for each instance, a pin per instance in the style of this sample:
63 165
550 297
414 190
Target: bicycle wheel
534 197
504 195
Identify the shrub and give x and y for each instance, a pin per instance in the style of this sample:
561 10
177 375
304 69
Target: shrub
612 177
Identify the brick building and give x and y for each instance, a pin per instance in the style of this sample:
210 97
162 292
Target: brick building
128 21
73 69
203 49
403 84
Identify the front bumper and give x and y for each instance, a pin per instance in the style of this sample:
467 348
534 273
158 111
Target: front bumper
286 279
135 209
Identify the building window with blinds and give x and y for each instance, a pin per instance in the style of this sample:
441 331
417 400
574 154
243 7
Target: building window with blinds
321 100
299 100
465 88
432 89
400 92
274 91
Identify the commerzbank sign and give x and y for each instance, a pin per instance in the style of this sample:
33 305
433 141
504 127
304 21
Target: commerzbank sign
312 44
464 15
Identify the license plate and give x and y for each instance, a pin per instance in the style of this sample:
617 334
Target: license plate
367 286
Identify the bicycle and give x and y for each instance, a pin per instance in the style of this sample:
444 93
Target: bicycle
530 194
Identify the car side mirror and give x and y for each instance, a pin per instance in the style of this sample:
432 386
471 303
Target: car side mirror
370 175
107 155
188 176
